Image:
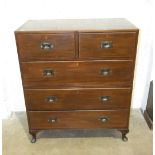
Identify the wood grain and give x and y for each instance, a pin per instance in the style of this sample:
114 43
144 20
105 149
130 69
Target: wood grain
77 99
79 119
80 73
123 45
77 73
29 46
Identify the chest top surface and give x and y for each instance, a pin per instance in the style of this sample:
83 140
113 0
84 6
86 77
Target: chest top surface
77 25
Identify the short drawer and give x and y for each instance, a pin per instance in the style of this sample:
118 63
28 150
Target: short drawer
46 46
77 74
79 99
78 119
116 45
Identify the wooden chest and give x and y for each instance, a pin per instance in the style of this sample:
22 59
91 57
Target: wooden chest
77 74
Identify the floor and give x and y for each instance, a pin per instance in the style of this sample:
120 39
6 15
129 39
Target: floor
16 140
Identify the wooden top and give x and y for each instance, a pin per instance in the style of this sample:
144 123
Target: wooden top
77 25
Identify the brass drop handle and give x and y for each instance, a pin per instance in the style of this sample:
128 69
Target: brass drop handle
106 44
46 46
105 98
48 72
51 99
52 120
105 72
103 119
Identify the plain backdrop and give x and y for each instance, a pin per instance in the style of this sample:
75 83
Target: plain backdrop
13 13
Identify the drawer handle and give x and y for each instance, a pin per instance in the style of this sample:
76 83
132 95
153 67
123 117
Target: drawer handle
51 99
105 98
106 44
105 72
46 46
52 120
48 72
103 119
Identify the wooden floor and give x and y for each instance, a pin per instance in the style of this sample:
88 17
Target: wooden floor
16 140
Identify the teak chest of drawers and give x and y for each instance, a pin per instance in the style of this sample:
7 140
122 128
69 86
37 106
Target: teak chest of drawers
77 74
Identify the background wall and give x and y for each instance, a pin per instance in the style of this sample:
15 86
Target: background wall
16 12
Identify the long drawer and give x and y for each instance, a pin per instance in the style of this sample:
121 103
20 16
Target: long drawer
77 99
116 45
45 46
77 73
79 119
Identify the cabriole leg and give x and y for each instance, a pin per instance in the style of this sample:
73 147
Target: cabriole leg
33 140
124 137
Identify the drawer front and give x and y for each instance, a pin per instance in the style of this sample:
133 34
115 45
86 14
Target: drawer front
107 45
78 74
33 47
79 119
80 99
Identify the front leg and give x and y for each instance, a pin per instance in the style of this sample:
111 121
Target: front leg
33 133
124 137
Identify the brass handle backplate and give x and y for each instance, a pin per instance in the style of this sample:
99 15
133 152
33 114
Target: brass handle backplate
46 46
52 120
105 72
51 99
103 119
105 98
106 44
48 72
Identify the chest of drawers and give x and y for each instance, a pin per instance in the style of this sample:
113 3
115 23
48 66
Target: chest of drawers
77 74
